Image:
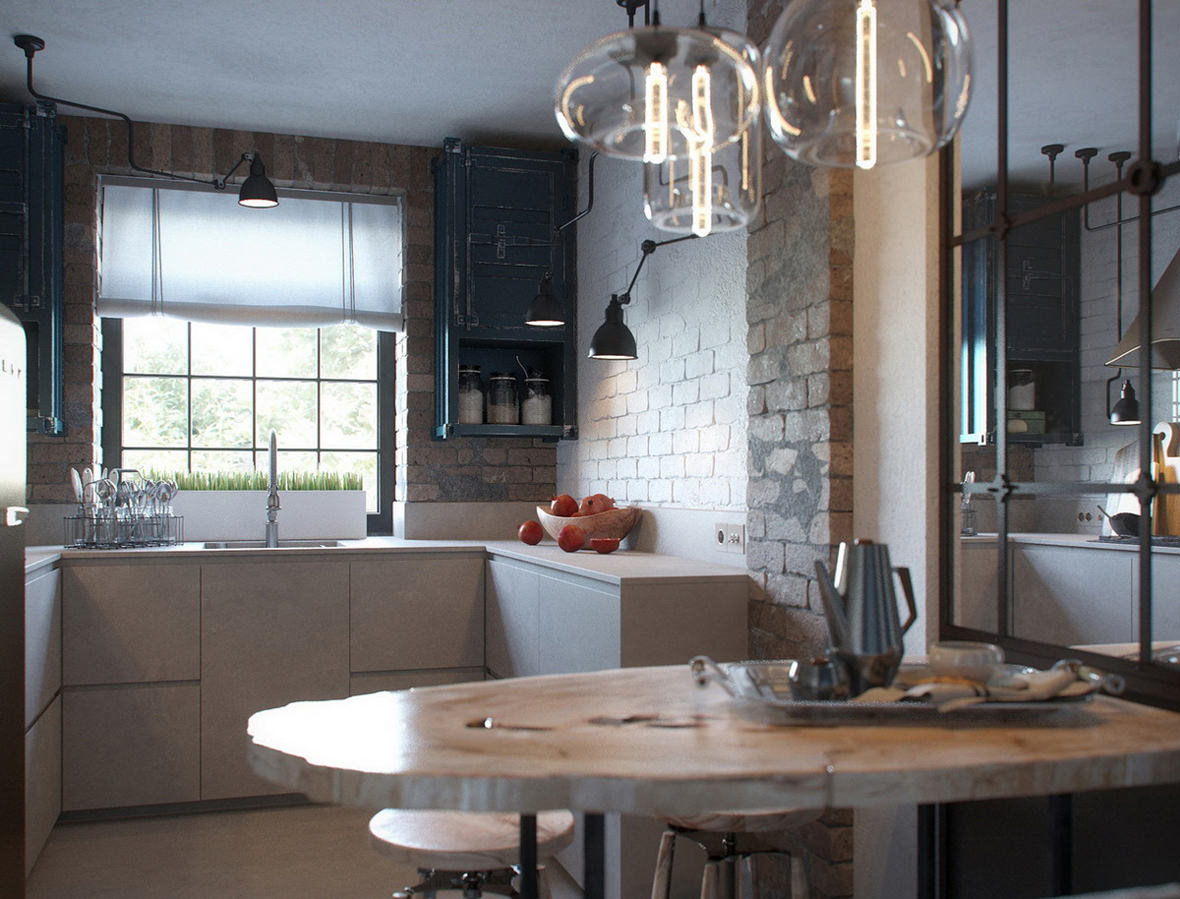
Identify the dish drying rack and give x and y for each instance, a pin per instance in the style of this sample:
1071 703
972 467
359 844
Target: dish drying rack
120 510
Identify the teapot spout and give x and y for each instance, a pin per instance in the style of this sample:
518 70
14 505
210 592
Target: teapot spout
833 606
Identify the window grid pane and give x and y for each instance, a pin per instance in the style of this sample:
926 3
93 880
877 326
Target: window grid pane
209 403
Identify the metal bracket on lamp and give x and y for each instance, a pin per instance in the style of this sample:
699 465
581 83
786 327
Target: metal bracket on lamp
257 190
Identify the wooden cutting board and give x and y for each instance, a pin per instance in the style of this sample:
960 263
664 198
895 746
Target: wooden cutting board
1166 462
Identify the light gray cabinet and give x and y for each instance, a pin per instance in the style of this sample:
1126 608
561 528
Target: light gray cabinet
42 709
271 633
130 670
417 613
131 623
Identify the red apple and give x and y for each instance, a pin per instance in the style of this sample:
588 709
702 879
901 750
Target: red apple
571 538
564 506
531 533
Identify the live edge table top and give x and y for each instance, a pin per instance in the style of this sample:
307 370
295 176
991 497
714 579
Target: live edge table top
650 741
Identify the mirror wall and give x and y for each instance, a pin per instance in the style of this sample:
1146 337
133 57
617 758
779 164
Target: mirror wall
1061 528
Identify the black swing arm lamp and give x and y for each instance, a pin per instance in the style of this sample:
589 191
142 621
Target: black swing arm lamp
546 310
257 190
613 339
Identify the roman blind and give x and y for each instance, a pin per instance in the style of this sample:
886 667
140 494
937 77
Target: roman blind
194 253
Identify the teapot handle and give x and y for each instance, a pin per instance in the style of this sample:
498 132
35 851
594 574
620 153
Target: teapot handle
907 587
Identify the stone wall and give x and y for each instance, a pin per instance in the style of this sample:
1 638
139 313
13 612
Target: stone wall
426 470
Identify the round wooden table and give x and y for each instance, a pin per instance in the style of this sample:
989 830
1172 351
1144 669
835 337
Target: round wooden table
649 741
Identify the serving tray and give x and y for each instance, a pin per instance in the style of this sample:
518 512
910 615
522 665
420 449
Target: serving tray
762 691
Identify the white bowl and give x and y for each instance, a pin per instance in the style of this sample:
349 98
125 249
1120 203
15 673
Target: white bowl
961 658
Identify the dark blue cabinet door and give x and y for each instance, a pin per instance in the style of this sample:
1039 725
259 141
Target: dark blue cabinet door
497 217
31 208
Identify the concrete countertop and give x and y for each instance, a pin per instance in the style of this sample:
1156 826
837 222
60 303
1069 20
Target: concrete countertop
623 565
1088 541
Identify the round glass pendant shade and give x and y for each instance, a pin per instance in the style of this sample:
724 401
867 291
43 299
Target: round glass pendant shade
656 93
721 191
866 82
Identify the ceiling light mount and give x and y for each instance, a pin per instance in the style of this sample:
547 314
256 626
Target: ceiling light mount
257 190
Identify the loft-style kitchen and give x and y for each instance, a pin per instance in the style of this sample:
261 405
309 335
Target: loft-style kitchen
684 448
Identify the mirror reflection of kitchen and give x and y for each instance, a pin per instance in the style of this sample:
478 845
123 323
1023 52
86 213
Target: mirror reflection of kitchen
1071 386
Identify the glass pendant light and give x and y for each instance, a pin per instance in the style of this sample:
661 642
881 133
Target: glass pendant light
717 188
653 93
866 82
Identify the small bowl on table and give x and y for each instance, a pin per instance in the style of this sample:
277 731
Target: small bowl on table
615 523
968 660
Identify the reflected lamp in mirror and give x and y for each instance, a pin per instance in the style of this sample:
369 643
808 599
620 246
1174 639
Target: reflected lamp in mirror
545 311
613 340
866 83
1126 410
257 191
1165 326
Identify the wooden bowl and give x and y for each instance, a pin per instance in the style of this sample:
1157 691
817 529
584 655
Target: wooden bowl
611 523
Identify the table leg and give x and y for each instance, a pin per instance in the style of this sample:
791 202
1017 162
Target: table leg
528 856
932 852
1061 844
594 855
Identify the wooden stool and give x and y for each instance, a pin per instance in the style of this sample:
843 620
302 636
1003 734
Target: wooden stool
729 865
468 851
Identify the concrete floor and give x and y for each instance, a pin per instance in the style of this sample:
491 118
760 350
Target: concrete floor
304 852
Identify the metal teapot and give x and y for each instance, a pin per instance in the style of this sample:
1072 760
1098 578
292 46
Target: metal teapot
861 608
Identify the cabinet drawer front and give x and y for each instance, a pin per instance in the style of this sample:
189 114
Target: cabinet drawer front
513 620
130 745
417 613
42 781
135 623
42 642
271 633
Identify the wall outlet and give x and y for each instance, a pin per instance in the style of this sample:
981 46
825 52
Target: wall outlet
730 537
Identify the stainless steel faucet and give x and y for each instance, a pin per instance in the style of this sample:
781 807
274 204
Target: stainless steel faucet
272 492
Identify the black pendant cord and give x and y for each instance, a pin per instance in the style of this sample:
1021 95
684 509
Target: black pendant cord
31 44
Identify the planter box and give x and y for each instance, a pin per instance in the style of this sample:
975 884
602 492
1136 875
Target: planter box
241 514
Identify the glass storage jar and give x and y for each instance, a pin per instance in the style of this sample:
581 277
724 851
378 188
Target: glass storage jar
470 395
536 408
502 405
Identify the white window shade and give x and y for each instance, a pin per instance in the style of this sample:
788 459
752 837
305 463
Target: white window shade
196 254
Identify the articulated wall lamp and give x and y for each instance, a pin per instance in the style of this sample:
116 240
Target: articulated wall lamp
257 191
546 310
613 339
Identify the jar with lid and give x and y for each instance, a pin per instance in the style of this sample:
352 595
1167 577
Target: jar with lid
470 395
502 404
1022 390
536 408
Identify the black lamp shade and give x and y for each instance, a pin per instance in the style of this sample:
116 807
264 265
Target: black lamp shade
545 311
1126 410
613 339
257 191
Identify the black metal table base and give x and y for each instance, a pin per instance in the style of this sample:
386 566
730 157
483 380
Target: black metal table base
593 848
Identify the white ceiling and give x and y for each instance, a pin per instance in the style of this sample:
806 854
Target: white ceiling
418 71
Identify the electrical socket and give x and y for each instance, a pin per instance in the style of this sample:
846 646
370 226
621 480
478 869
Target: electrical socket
730 537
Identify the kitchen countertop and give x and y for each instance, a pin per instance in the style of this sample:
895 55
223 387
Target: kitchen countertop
1089 541
615 568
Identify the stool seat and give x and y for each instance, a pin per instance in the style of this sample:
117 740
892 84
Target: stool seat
745 822
464 841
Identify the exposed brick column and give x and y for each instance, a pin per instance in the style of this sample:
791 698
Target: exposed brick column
799 311
425 470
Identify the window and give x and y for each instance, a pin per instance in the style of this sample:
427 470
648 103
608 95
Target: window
190 396
221 323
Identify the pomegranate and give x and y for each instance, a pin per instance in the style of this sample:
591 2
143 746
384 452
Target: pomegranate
564 506
604 544
598 502
531 533
571 538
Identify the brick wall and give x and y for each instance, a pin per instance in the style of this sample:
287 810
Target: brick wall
426 470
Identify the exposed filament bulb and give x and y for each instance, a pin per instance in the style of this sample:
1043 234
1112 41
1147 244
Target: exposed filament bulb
655 123
701 153
866 84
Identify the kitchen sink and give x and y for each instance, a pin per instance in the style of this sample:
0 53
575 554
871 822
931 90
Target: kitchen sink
261 544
